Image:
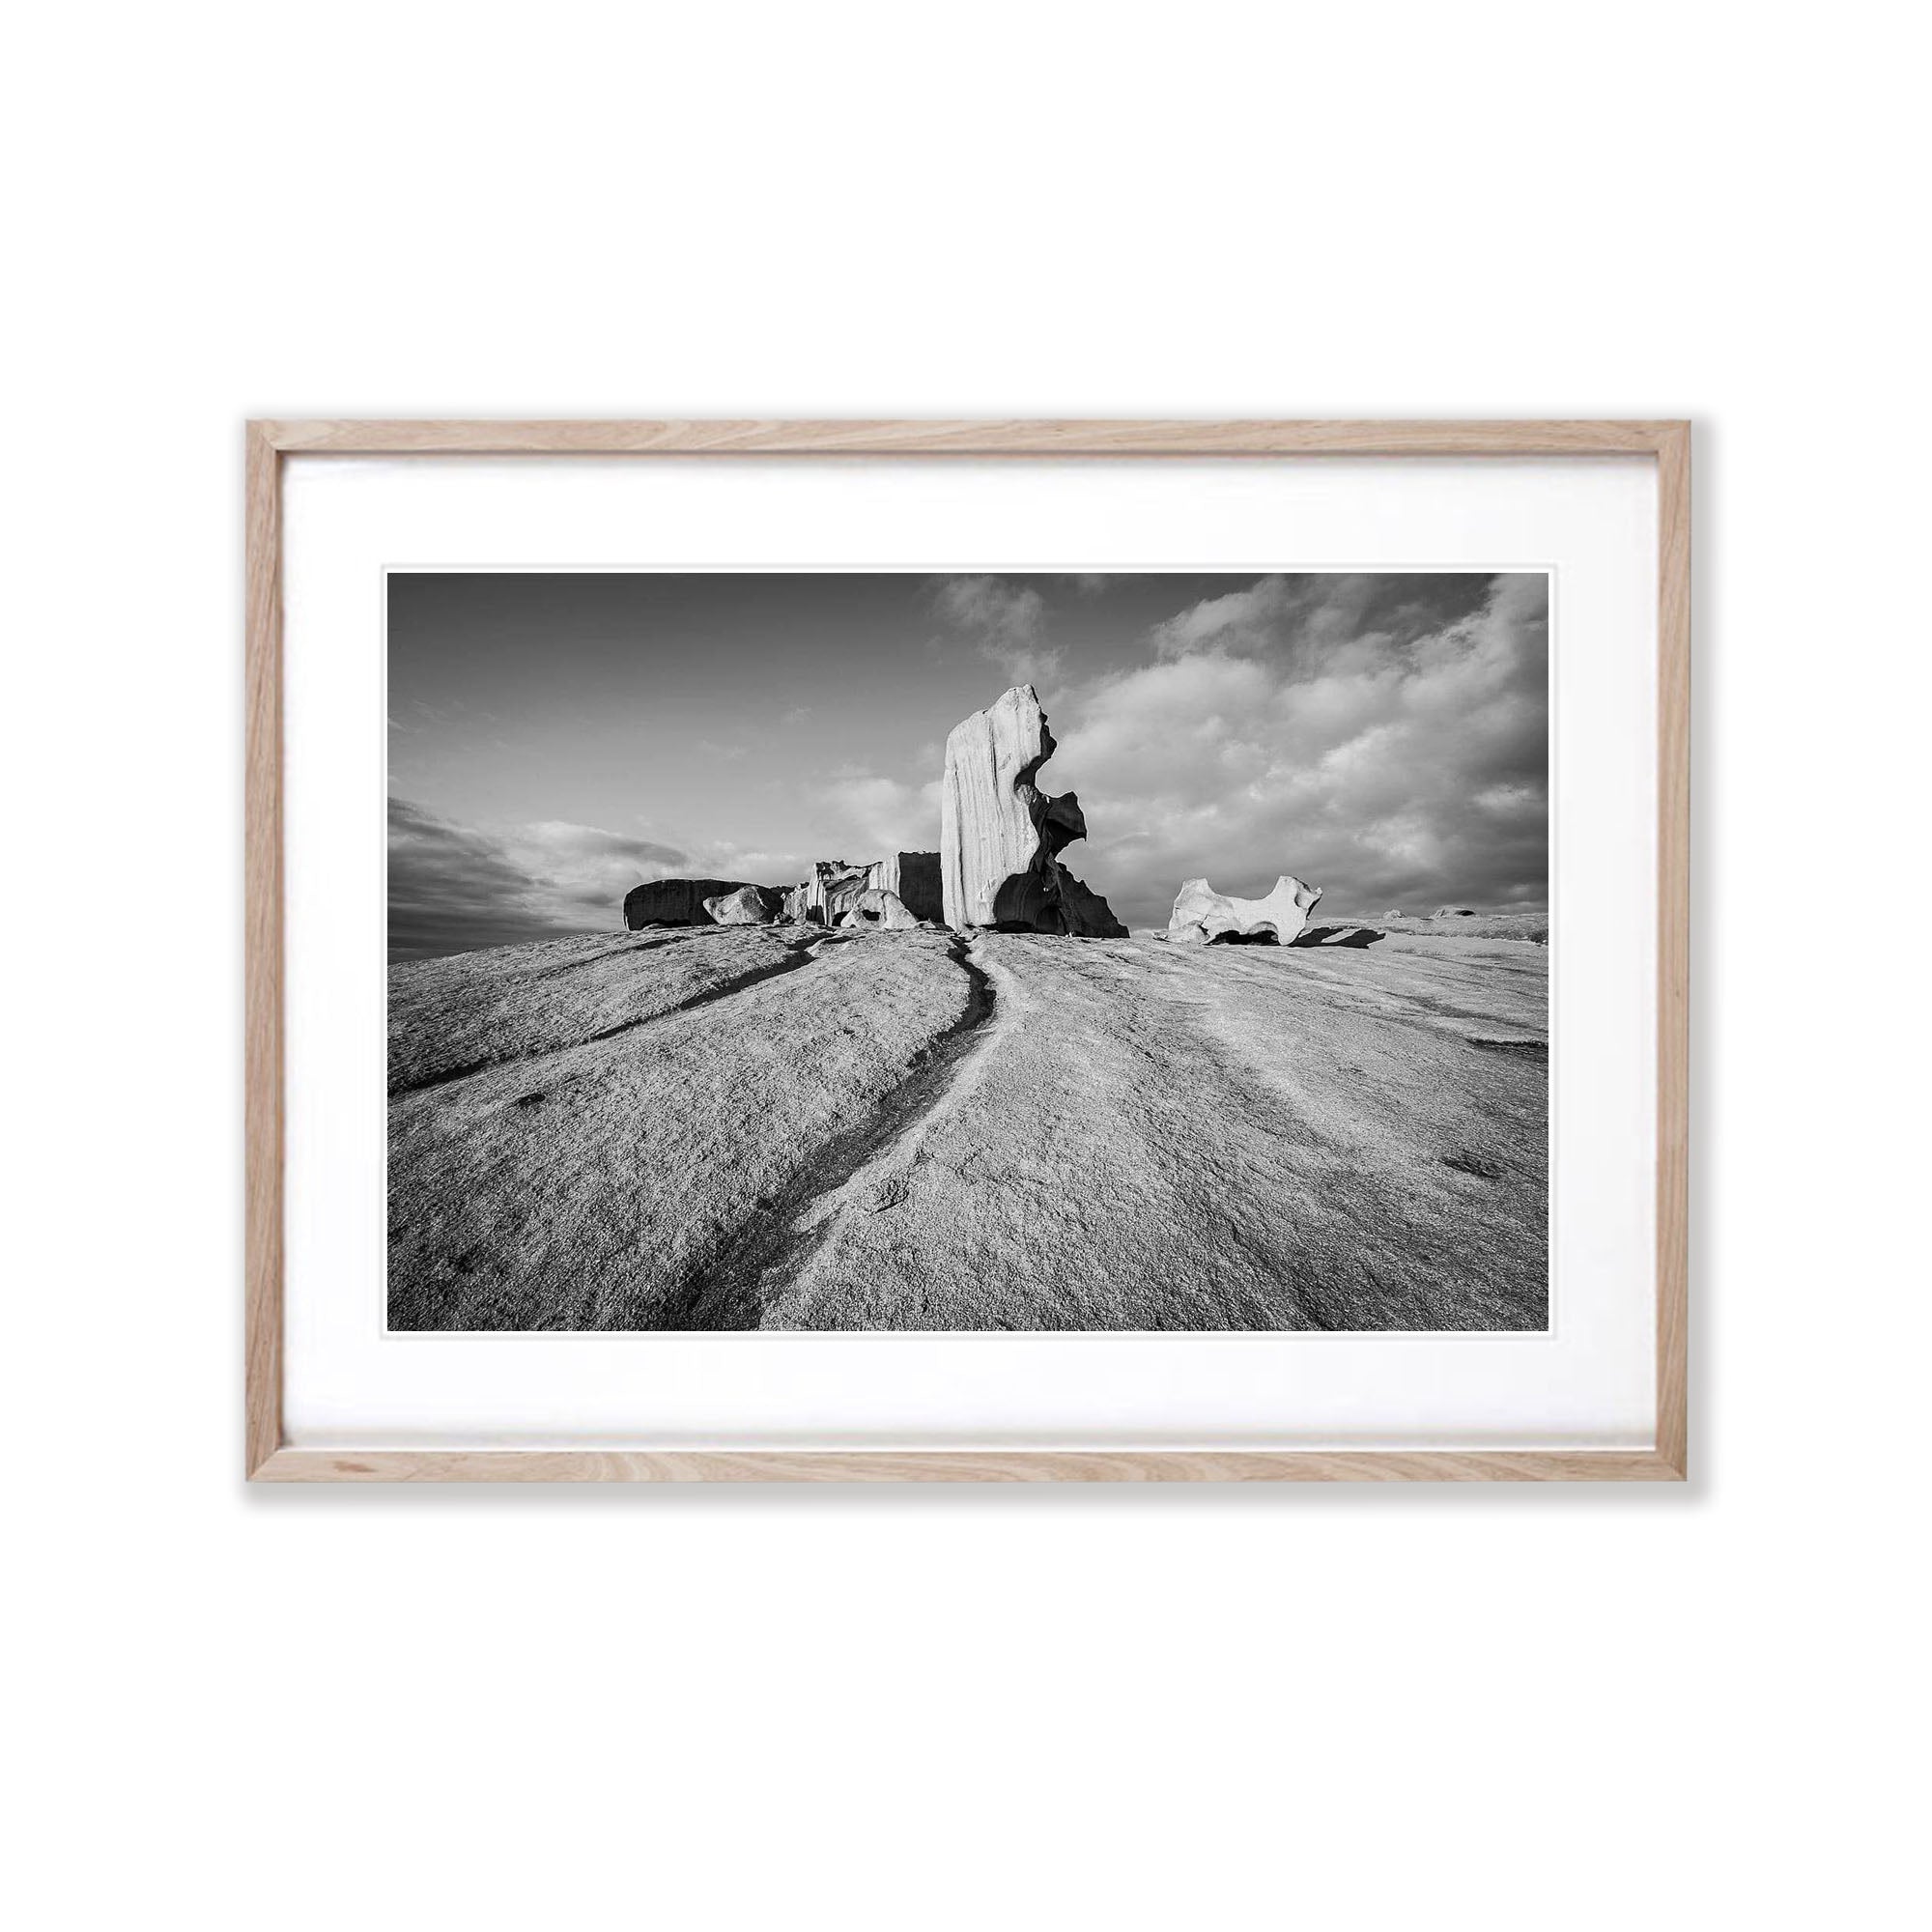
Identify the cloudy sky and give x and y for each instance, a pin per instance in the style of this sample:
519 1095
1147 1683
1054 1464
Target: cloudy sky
554 739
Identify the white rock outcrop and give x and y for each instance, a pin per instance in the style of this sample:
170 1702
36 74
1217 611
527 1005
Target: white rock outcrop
998 833
1201 915
749 905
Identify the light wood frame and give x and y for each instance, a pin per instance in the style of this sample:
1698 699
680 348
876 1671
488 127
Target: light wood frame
269 1459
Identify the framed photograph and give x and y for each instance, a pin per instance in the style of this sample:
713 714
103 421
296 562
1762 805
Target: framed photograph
967 952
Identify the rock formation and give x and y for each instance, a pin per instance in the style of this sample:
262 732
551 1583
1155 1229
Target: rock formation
821 898
680 901
1000 835
749 905
914 878
877 908
1202 916
837 886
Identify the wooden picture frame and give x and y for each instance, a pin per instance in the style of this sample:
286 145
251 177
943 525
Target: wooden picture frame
268 1458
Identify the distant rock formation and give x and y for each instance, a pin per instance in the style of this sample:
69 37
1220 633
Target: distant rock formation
998 833
1201 915
822 897
749 905
680 901
1454 912
837 886
879 908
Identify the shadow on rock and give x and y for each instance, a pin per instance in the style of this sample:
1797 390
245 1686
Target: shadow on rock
1356 936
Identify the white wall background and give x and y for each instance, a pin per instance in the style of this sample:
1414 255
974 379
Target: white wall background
1509 1709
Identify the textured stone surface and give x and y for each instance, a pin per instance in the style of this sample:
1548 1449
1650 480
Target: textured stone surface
618 1179
1162 1137
469 1010
738 1127
1000 835
749 905
1201 915
677 901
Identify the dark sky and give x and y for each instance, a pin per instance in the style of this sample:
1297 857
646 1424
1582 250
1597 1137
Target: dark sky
554 738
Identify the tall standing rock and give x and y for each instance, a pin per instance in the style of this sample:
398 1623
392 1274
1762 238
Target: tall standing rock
998 833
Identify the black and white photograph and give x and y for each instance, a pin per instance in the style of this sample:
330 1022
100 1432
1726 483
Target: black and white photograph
968 952
912 1024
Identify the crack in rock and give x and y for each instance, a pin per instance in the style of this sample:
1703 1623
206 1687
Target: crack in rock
769 1254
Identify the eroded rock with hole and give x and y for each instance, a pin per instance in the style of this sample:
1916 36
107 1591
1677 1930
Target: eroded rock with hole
749 905
1000 833
1203 917
875 908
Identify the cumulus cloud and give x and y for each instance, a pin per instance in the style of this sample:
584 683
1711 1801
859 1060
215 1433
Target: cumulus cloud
454 886
582 868
1004 622
1384 738
861 814
1330 620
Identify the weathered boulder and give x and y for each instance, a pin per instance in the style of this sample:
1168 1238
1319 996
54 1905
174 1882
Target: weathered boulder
1454 912
749 905
875 908
1202 916
677 901
998 833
